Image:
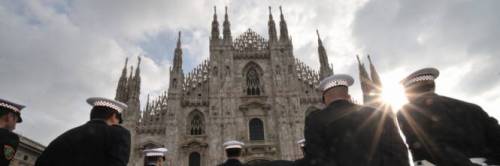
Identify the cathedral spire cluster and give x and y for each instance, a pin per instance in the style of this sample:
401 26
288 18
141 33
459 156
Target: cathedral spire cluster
371 85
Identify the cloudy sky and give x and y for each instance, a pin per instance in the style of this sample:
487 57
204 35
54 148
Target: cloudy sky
54 53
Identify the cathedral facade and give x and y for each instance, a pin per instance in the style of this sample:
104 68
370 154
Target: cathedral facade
250 89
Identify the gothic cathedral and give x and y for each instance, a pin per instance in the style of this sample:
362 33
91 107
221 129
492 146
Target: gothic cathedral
250 89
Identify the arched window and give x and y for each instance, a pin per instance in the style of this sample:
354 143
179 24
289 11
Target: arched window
196 125
256 127
194 159
253 82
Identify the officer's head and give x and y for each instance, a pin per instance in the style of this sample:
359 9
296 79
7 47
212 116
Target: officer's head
10 114
8 119
420 82
106 109
335 93
418 89
336 87
107 114
233 152
155 156
233 148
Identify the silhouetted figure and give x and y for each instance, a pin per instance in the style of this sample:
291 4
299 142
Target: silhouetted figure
445 131
10 115
346 134
233 153
99 142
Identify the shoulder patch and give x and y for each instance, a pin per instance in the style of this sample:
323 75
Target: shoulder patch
9 152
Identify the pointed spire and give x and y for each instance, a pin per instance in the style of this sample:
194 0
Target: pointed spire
325 70
121 89
131 69
283 27
147 103
137 70
374 75
320 43
364 81
227 27
178 55
215 26
273 36
124 71
179 40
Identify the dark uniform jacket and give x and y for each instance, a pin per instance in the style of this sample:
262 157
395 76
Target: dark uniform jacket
346 134
92 144
8 142
231 162
447 131
300 162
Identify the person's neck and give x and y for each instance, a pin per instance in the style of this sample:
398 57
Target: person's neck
3 125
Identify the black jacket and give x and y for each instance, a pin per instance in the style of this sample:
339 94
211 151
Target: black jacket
92 144
346 134
447 131
231 162
8 146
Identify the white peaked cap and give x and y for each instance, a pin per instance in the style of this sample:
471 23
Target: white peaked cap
104 102
155 152
233 144
335 80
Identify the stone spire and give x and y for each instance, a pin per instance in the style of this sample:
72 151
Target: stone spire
130 77
377 84
283 28
364 81
273 36
324 69
137 76
178 55
121 89
215 26
134 88
227 28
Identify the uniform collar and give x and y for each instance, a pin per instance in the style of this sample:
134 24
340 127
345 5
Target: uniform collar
338 101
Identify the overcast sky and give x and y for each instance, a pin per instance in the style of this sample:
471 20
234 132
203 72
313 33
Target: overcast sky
54 54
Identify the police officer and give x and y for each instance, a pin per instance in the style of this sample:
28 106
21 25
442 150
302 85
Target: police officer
444 131
347 134
10 115
233 153
99 142
154 157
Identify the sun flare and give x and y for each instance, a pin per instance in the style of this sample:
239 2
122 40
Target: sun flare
393 93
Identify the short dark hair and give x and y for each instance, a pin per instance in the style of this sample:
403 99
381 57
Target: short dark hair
423 87
5 111
100 112
233 152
